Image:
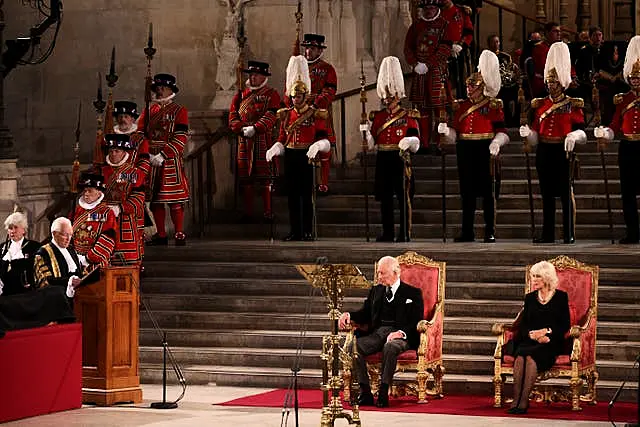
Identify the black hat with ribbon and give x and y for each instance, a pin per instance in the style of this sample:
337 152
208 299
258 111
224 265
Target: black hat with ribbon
118 140
125 107
92 180
311 40
257 67
164 79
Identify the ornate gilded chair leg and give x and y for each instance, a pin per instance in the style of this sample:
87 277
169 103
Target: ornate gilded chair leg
498 383
576 385
374 378
437 377
592 381
422 386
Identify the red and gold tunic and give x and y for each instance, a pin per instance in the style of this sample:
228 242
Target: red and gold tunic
626 119
389 128
300 129
94 233
168 129
460 22
553 120
429 42
478 120
125 189
254 108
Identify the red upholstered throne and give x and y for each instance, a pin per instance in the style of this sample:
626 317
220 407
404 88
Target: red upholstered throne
428 275
580 282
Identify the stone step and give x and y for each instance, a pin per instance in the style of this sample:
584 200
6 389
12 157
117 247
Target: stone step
310 359
251 376
299 287
312 340
455 324
456 273
516 253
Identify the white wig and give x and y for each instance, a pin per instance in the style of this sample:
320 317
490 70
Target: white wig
17 218
547 272
489 68
57 223
390 78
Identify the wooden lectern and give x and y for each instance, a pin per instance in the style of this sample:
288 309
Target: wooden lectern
109 312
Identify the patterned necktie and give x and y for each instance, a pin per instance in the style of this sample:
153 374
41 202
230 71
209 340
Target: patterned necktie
389 294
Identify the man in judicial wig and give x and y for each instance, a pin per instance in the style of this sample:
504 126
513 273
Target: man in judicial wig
16 257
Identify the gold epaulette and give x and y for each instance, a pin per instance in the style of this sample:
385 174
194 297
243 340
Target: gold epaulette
536 102
282 113
617 99
456 104
414 113
495 103
577 102
372 115
321 113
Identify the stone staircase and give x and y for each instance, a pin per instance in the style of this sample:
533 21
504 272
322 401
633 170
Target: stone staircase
342 213
234 310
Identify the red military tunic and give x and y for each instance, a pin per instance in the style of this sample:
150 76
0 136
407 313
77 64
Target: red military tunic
460 22
478 121
168 128
94 233
389 128
300 129
429 42
554 120
254 108
626 119
125 189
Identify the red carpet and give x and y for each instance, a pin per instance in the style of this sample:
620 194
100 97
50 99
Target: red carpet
453 405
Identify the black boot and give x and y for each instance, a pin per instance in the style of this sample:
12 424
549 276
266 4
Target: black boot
365 398
383 396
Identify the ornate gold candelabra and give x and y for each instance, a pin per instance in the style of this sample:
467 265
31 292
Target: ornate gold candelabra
333 279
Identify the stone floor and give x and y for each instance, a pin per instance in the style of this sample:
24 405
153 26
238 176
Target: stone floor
197 409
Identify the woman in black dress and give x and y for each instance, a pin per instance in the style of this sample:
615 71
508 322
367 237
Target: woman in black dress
16 257
540 339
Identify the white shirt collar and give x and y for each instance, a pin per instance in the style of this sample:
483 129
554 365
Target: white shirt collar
394 288
89 206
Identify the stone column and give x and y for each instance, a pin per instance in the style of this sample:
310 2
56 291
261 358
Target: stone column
348 36
564 13
540 13
325 26
584 15
380 31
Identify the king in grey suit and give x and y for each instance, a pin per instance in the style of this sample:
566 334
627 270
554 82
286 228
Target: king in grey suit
391 312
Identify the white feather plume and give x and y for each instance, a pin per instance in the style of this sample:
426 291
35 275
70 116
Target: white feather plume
391 76
632 55
489 67
297 70
560 59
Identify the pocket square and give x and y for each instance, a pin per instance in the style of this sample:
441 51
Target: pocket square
409 301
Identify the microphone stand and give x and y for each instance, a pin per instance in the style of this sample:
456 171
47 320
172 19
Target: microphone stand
617 395
166 352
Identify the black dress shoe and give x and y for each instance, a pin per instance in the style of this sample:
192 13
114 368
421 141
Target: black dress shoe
513 410
464 238
628 240
543 240
308 237
365 399
292 237
383 400
489 238
384 238
157 240
181 239
569 240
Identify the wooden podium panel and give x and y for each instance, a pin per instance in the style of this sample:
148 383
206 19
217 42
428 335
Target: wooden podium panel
109 313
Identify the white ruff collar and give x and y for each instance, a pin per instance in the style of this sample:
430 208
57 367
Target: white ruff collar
432 19
132 129
164 101
89 206
317 59
257 87
120 163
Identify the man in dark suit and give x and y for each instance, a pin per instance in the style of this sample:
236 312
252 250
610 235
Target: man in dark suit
391 311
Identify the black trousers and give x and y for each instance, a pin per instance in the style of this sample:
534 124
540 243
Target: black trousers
553 172
389 183
299 181
474 172
628 160
373 343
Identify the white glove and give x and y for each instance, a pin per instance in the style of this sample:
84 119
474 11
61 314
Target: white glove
525 131
411 143
249 131
83 260
569 143
603 132
598 132
498 141
370 142
321 145
276 149
494 148
71 291
116 210
157 160
365 127
421 68
455 50
1 286
443 129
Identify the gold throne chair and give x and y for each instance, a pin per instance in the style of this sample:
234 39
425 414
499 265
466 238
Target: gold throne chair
580 282
429 276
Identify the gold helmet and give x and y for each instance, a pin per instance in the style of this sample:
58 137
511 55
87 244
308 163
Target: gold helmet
558 65
488 74
298 80
632 59
390 79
